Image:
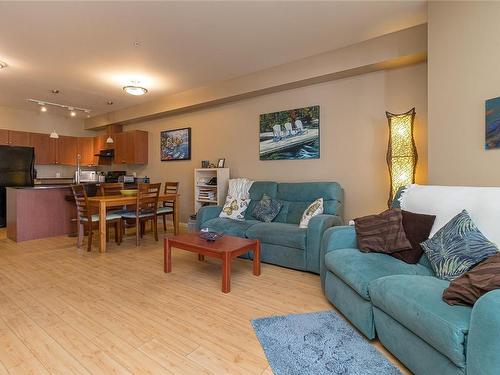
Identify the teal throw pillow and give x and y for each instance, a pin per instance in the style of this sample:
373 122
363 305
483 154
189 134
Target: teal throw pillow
267 209
457 247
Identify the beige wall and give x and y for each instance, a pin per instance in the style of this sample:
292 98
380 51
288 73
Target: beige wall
34 121
353 137
463 73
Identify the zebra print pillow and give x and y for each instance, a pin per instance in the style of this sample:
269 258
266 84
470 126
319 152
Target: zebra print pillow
457 247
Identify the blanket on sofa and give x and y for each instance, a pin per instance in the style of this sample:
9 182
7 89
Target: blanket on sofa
482 204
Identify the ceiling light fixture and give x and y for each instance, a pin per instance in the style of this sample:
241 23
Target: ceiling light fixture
43 108
3 65
135 90
73 110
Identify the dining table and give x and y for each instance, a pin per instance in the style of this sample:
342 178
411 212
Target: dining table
111 201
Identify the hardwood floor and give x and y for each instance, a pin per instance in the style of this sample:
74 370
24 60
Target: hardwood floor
64 311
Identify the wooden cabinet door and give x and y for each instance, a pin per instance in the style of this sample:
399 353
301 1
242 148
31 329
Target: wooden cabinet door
67 150
45 148
138 141
86 151
4 137
17 138
121 148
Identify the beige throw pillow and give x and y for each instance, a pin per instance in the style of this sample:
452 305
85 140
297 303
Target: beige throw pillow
315 208
234 208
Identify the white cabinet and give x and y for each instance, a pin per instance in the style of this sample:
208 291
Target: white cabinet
210 186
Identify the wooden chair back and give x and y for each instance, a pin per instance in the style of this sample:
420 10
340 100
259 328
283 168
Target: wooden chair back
170 188
111 188
147 198
82 205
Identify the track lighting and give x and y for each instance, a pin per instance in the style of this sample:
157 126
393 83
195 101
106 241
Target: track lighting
72 110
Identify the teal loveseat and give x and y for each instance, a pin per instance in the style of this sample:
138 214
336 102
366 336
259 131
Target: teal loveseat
402 304
282 241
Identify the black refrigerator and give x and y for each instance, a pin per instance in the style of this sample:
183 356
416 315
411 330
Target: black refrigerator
17 168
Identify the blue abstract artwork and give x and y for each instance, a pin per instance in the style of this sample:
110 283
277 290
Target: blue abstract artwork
492 112
175 144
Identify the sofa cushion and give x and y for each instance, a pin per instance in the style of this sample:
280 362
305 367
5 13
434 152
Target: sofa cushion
289 235
457 247
358 269
256 191
415 302
230 227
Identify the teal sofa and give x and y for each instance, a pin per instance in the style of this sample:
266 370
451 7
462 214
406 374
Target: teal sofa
282 241
402 304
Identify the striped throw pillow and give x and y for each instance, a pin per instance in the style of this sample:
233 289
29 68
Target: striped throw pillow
382 233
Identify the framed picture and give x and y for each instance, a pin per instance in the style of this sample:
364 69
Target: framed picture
220 163
205 163
175 144
290 135
492 124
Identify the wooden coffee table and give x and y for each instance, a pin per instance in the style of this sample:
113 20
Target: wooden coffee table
224 248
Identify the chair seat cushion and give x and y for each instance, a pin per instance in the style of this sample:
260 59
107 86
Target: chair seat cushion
132 215
164 210
229 226
95 217
282 234
416 303
358 269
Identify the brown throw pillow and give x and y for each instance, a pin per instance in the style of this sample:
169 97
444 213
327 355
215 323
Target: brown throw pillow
382 233
483 278
417 228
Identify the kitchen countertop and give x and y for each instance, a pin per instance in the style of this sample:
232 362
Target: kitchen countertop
41 187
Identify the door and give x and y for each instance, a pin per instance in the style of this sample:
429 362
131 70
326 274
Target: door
17 138
4 137
86 150
67 150
45 148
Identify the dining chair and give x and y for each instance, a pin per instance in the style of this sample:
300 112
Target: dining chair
111 188
168 207
88 220
145 210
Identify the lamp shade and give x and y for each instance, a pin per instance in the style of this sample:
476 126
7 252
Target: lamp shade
401 152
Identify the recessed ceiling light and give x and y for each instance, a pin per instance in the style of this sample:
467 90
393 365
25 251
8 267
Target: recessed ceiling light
109 102
55 91
135 90
3 65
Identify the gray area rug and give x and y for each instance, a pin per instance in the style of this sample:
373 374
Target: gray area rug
318 343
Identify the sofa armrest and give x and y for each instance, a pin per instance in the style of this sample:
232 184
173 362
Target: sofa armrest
206 213
317 226
483 342
335 238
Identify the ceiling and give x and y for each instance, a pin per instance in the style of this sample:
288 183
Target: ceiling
90 50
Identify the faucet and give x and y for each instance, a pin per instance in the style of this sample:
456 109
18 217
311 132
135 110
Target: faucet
78 169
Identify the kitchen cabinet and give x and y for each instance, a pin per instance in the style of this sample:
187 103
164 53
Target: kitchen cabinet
120 148
45 148
14 138
17 138
67 150
86 151
131 147
4 137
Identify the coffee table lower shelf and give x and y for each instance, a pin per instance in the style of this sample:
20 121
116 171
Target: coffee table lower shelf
225 248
